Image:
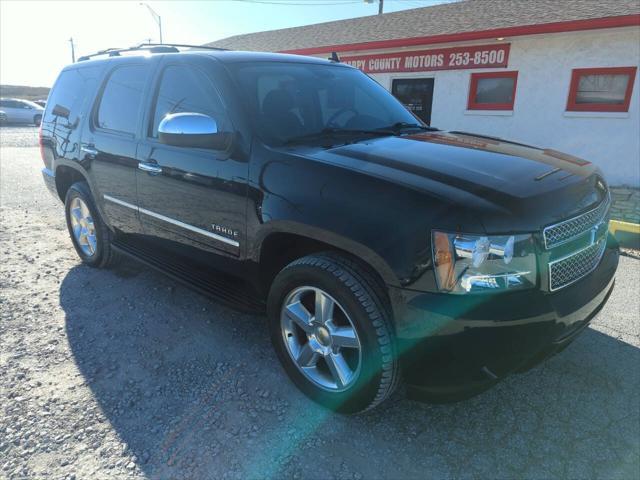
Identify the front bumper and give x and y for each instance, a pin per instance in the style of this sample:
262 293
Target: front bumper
452 347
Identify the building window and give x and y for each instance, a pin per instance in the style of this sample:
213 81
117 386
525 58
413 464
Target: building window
601 89
492 91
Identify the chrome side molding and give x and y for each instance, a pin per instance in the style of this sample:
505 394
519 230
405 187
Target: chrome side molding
177 223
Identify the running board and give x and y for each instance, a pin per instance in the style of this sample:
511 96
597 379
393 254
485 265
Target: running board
226 289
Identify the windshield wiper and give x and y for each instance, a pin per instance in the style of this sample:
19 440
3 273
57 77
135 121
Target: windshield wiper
329 132
399 126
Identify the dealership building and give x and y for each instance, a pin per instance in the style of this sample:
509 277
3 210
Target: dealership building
556 74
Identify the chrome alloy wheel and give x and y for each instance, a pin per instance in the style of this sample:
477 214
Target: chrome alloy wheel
321 338
83 227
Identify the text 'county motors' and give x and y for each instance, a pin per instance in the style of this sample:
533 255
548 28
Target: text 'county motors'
456 58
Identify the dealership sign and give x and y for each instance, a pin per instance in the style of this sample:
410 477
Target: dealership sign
456 58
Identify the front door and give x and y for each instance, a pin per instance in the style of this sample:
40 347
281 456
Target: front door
191 196
17 111
416 94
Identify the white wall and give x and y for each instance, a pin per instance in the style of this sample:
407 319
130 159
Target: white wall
544 63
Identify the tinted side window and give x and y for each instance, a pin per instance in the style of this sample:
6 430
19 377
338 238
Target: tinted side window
71 90
188 89
121 99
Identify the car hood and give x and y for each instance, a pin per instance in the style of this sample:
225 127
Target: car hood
513 186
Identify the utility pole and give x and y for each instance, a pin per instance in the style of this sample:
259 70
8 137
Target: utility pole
73 52
380 6
155 16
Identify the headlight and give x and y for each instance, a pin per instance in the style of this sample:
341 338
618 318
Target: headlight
474 263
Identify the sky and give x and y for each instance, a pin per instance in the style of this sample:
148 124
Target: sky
34 35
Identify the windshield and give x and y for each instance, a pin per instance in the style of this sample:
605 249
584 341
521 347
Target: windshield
31 104
288 101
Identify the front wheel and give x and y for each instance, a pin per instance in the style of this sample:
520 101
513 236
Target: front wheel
330 326
37 120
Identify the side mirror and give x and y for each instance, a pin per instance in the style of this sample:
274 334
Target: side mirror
191 130
60 111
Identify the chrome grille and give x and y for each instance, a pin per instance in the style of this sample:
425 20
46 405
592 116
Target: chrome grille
570 269
567 230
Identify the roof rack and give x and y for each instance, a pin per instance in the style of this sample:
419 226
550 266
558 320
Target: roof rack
149 47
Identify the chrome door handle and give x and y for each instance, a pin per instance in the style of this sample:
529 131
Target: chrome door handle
89 150
149 167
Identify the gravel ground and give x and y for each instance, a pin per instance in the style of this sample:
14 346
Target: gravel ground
125 374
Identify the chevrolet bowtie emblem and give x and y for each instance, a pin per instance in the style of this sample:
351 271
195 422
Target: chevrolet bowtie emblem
595 232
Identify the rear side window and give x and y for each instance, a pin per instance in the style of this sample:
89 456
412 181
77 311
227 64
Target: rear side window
121 99
187 89
71 91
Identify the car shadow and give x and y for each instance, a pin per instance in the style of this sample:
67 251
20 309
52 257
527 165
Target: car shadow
195 391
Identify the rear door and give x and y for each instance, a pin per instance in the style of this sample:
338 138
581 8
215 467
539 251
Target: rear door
195 196
110 145
25 111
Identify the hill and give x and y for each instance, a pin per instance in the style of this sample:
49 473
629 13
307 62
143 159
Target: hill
21 91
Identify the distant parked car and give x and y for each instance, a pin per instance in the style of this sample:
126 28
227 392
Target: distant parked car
21 111
42 103
3 117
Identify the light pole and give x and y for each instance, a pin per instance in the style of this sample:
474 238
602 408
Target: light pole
73 51
380 5
155 16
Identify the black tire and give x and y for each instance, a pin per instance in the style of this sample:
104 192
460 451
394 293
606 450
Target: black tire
360 296
104 256
37 120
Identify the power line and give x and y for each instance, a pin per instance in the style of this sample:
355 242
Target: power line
320 3
424 3
310 3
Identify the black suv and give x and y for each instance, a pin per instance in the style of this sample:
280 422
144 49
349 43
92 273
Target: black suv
301 187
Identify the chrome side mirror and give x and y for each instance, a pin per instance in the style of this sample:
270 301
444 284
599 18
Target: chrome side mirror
188 129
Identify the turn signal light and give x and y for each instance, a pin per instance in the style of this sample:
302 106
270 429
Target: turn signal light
444 260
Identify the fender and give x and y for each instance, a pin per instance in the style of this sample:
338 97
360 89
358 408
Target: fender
352 247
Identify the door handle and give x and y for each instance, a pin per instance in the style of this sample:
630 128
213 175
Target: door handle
89 150
149 168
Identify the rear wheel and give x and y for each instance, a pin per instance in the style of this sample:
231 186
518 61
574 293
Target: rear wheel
89 234
37 120
332 332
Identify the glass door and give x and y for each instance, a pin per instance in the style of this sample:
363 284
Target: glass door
416 94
